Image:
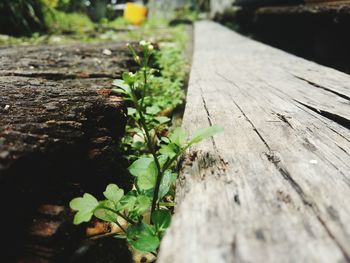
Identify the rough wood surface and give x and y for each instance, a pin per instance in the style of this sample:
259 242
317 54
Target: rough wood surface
57 97
275 185
59 129
65 61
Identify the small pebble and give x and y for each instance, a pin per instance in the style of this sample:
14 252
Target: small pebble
6 107
313 161
107 52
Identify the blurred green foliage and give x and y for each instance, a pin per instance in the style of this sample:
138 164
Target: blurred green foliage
59 22
21 17
25 17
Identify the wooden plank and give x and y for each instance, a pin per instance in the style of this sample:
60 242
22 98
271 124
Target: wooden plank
274 187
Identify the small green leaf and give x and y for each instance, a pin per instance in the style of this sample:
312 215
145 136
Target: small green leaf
165 139
168 179
123 87
113 193
128 78
142 204
153 110
205 133
162 119
161 219
88 202
178 136
131 111
105 214
140 166
142 237
85 206
82 216
147 181
162 159
145 170
169 150
127 202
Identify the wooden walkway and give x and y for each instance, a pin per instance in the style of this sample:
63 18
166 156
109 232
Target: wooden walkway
275 186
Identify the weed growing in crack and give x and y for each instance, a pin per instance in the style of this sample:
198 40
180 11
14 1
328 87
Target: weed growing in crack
144 213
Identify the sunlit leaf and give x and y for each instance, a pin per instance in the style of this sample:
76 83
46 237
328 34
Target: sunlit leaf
127 202
140 166
178 136
169 178
169 150
162 119
205 133
85 206
113 193
104 214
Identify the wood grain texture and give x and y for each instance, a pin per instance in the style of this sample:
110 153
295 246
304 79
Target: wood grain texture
275 186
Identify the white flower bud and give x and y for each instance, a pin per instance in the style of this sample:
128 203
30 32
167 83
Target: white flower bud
137 59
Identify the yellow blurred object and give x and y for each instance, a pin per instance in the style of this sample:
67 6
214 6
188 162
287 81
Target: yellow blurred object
134 13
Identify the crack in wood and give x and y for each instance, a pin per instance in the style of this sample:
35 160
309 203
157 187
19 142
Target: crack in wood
59 76
323 120
271 157
322 87
222 160
329 115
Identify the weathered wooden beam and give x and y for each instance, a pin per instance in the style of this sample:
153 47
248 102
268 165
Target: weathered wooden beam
274 186
59 128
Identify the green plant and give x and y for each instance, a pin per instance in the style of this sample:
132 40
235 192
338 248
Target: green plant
74 23
21 17
144 213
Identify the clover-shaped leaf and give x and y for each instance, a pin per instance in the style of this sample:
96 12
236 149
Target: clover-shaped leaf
85 206
113 193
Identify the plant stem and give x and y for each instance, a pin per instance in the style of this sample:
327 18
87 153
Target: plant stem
142 123
156 191
120 226
119 214
144 86
159 179
166 204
